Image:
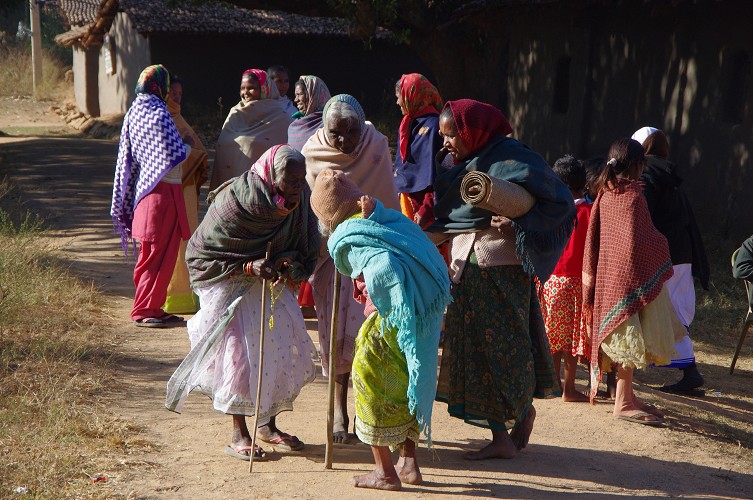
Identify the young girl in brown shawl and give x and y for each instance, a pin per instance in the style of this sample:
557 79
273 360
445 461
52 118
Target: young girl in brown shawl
625 265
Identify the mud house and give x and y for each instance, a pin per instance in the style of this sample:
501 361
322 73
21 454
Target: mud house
210 44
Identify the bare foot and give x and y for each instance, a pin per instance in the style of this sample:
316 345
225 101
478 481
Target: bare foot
340 436
498 448
408 471
376 481
573 396
522 432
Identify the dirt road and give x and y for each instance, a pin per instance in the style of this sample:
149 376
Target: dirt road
576 450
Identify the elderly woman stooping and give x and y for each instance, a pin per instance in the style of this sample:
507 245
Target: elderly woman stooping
268 203
255 124
147 197
496 356
347 143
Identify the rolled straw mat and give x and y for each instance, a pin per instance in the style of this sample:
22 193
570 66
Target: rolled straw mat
496 195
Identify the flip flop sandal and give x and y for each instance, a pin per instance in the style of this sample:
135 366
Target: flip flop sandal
637 418
171 318
150 323
653 410
238 452
285 442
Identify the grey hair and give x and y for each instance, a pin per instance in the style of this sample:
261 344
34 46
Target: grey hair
324 230
282 157
338 110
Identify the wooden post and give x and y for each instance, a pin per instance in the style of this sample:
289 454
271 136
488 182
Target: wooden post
332 373
36 46
262 329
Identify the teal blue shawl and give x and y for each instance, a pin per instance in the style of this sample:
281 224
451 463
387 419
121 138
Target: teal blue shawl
408 283
541 233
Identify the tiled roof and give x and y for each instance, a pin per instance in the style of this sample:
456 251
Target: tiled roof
154 16
181 16
78 12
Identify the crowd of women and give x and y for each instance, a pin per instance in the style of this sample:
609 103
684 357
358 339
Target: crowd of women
466 233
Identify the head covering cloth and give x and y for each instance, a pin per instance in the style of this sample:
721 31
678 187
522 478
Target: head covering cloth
271 166
653 140
265 88
478 123
420 97
317 94
154 80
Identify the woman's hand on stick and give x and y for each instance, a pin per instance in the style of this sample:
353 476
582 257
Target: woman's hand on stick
263 268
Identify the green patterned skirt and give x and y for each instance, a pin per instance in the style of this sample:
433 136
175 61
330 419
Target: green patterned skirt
496 355
380 386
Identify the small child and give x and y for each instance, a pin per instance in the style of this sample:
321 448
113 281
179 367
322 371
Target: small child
402 281
562 293
625 264
281 76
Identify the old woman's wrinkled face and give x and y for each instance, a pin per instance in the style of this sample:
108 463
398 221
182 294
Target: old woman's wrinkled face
293 182
250 89
451 140
344 133
301 99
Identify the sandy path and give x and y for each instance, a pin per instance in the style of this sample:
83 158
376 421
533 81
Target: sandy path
576 450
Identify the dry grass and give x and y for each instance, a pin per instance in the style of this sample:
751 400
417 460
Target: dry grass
54 423
16 73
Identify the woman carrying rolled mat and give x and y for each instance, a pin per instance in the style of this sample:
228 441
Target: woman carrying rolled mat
496 357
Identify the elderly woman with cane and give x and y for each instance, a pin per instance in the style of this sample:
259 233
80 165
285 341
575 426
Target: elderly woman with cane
402 281
269 204
349 144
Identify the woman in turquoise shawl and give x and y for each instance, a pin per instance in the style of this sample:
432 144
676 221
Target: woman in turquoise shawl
496 355
226 262
402 281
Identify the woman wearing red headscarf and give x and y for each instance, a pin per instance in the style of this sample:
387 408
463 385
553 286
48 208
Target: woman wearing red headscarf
418 143
496 356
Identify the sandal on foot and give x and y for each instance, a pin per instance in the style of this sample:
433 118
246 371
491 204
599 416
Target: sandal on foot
638 419
242 453
150 323
653 410
171 318
285 442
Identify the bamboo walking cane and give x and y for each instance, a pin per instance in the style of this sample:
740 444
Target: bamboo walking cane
332 374
262 329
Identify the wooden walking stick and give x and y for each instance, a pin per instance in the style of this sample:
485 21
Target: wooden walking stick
262 329
332 374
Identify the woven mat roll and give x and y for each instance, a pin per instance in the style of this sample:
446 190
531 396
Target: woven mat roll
496 195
